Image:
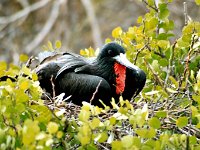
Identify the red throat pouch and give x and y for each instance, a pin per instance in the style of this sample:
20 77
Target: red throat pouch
120 72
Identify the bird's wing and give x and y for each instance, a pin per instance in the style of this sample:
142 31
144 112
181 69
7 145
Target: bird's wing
84 87
47 56
73 63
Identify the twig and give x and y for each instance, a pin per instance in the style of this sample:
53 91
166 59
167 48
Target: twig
96 34
12 126
47 27
185 12
95 92
102 147
24 4
53 87
138 52
188 91
156 9
170 63
29 62
159 80
24 12
187 69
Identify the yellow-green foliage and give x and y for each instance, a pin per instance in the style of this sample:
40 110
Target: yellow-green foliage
166 115
25 122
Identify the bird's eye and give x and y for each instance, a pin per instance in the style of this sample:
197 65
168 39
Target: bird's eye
110 52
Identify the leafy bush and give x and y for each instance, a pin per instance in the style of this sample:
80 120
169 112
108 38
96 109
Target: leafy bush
164 116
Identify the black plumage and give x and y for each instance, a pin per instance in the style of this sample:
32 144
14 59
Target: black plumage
93 78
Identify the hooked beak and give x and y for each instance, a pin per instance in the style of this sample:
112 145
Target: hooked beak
121 59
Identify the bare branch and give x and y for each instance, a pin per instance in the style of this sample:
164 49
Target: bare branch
158 79
47 27
155 8
95 92
138 52
170 63
185 12
24 12
96 34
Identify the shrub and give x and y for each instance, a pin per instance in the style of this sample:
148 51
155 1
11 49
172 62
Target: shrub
164 116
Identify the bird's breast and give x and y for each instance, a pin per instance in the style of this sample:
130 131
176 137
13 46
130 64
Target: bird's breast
120 72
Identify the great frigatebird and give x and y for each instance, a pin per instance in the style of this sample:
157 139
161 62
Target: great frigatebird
108 75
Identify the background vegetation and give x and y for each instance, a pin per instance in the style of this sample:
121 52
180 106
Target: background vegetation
28 24
166 115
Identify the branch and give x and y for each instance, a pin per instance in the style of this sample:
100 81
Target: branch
96 34
170 63
47 27
158 79
138 52
95 92
155 8
24 12
185 12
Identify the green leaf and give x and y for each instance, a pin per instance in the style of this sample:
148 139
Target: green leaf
84 134
91 147
196 98
50 46
197 2
84 115
127 141
163 62
42 113
165 36
193 140
117 32
103 137
167 25
152 93
182 122
112 120
137 142
23 58
164 12
155 65
163 44
174 81
34 76
52 127
21 96
140 20
58 44
171 90
151 24
117 145
150 2
26 70
20 107
161 114
95 123
146 133
154 123
30 130
3 67
24 85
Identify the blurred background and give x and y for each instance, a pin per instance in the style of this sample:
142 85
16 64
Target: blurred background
26 25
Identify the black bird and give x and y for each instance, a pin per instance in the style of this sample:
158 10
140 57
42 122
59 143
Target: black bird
108 75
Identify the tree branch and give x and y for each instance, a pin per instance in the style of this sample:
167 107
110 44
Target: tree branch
46 28
96 34
24 12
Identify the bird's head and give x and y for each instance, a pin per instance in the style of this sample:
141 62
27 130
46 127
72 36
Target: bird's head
113 53
116 53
